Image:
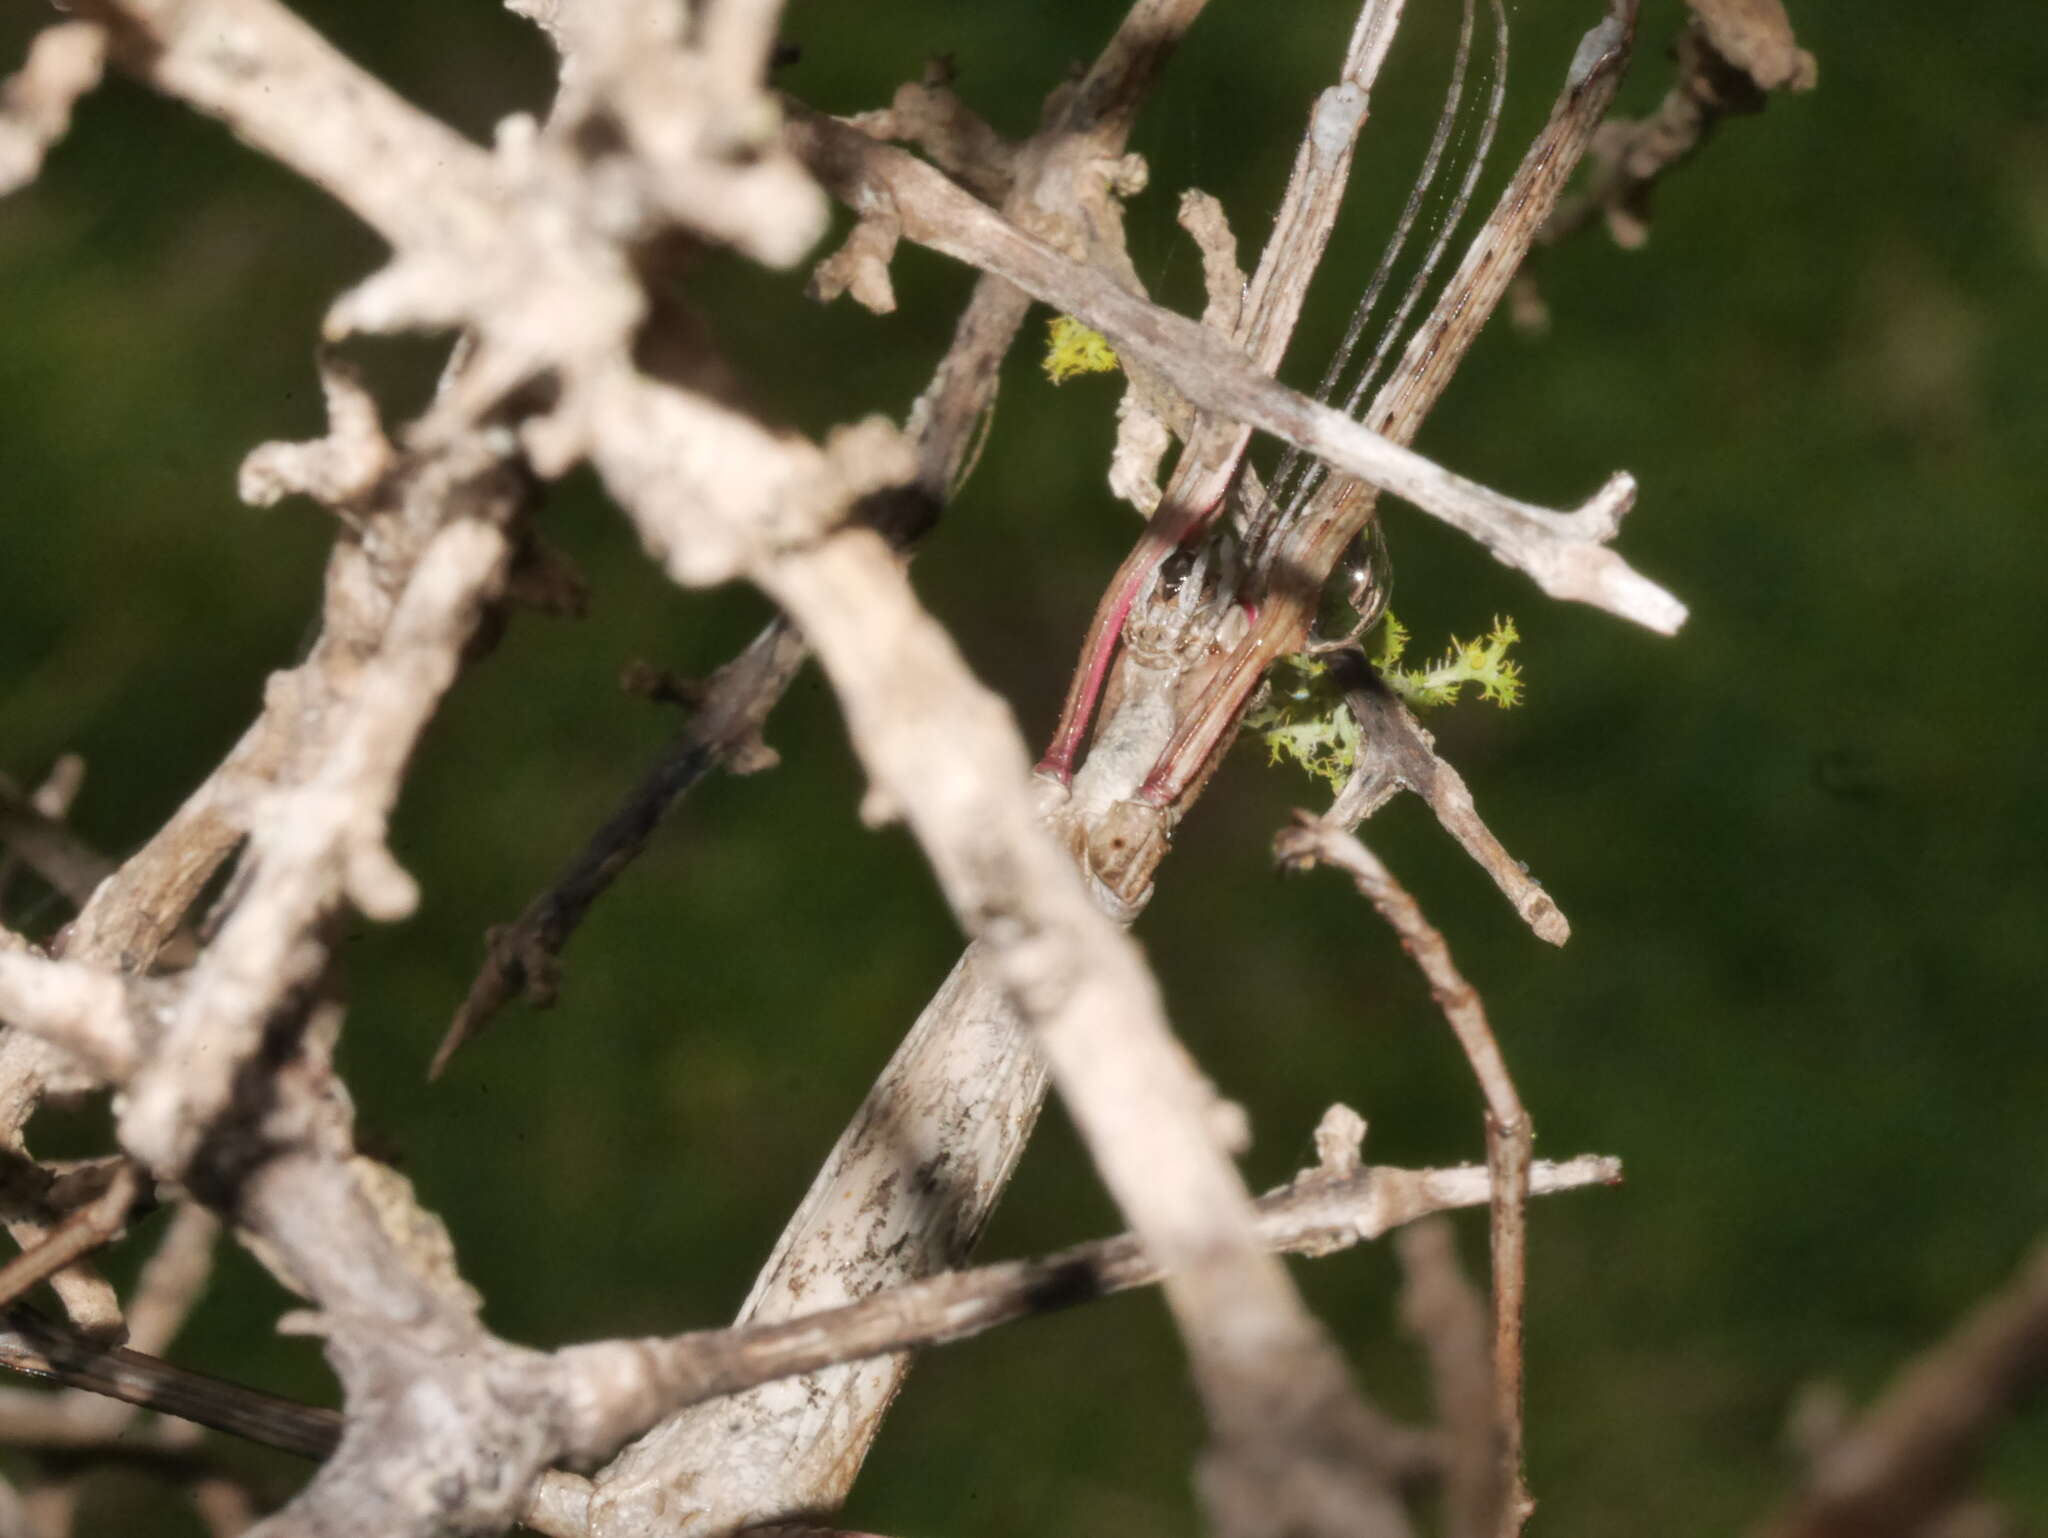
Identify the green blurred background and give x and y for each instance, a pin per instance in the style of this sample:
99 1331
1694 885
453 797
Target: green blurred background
1801 845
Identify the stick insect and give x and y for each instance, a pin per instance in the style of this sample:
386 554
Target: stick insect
1293 544
1213 473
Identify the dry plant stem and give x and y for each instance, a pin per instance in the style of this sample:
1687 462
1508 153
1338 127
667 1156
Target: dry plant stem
936 745
1303 555
310 846
1508 1134
1565 553
1323 1211
1263 327
1396 753
1911 1456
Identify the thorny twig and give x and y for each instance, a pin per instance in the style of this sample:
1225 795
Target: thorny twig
1396 752
1508 1134
1321 1212
937 747
1296 558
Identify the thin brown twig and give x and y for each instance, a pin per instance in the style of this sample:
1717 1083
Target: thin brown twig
1509 1136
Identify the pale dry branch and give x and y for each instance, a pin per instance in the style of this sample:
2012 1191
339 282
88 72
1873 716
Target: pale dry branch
1509 1136
712 493
64 62
615 1387
311 846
